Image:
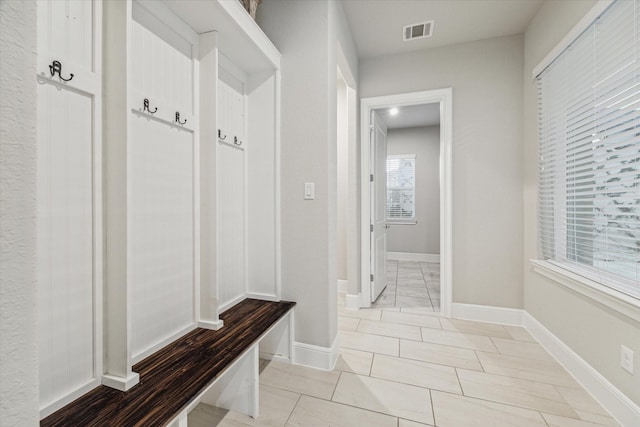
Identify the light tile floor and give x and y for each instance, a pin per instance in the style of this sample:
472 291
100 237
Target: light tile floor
411 284
409 367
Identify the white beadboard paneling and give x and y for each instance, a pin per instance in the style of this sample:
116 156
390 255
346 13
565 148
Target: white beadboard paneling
162 231
69 189
162 66
231 211
67 32
231 203
162 184
65 230
261 188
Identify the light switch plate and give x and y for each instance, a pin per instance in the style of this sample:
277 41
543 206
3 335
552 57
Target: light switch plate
309 190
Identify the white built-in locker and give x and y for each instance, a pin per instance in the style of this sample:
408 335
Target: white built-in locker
69 186
162 183
231 189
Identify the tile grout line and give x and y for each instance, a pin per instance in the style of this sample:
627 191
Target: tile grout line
293 409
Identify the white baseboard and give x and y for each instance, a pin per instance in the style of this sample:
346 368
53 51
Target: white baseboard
227 305
352 301
486 313
65 400
275 357
313 356
214 326
408 256
343 286
625 411
261 296
120 383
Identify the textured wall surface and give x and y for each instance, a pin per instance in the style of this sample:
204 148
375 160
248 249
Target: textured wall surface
18 335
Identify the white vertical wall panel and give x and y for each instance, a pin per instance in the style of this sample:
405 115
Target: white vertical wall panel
162 66
231 191
65 30
163 230
261 188
231 233
65 242
68 262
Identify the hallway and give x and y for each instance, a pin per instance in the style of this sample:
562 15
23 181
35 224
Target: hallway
411 284
403 367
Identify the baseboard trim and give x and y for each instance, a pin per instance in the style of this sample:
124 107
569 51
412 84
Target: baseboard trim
408 256
343 285
489 314
214 326
313 356
275 357
120 383
265 297
623 409
352 301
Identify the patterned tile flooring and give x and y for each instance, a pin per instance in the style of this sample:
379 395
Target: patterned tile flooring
411 284
403 365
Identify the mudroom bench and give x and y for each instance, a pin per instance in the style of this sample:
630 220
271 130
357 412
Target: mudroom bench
215 367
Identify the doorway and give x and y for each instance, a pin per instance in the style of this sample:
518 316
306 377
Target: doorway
412 208
374 196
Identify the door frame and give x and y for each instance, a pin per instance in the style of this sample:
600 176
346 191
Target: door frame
444 97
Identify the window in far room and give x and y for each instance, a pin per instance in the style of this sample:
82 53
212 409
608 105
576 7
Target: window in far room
401 188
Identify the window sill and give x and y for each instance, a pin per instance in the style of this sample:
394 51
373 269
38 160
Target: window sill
615 300
401 222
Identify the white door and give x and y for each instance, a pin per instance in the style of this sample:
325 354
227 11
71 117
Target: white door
378 186
69 194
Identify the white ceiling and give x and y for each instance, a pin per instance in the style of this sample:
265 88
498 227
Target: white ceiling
376 25
412 116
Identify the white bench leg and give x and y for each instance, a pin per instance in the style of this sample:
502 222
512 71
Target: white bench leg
277 344
181 420
237 389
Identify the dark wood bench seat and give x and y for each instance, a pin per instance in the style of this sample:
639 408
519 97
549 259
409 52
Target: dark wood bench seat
175 375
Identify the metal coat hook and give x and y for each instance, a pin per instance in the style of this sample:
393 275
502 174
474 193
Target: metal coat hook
56 67
236 142
178 118
220 137
145 106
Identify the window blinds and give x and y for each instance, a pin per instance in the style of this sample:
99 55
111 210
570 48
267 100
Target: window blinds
589 152
401 182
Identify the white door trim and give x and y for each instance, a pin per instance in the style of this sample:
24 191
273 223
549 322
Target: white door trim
444 97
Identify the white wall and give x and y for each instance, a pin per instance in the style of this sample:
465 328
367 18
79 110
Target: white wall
308 43
342 142
18 320
423 237
486 77
587 327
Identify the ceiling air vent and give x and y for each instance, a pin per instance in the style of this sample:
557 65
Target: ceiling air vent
417 31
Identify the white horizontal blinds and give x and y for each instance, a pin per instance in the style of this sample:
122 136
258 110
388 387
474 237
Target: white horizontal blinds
401 183
589 124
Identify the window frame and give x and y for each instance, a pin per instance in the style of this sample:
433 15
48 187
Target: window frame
580 279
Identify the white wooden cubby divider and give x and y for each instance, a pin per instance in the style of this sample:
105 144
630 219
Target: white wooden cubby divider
129 150
69 183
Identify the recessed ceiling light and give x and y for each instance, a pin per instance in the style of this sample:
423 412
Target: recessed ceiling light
393 111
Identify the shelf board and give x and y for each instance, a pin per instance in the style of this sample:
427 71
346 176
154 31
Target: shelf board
239 37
